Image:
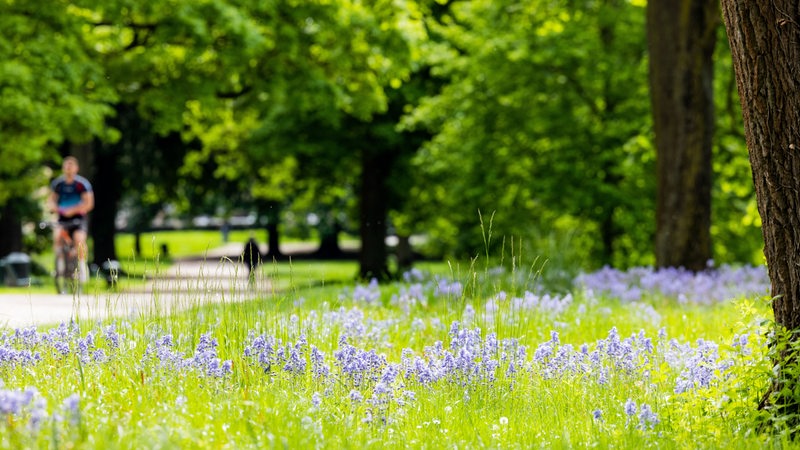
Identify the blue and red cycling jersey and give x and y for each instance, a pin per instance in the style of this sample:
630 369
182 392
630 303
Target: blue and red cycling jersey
69 194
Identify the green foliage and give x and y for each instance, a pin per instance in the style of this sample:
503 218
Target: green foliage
527 128
781 406
535 111
52 90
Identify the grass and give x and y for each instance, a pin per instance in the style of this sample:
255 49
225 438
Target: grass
188 243
455 359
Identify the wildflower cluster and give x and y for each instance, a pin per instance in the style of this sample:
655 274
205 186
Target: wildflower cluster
709 286
29 408
204 360
642 416
372 379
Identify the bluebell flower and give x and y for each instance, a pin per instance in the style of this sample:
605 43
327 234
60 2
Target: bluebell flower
647 418
295 361
319 367
355 396
99 356
448 288
28 337
111 336
369 294
13 401
413 275
711 285
10 357
71 407
700 367
38 414
630 407
316 400
381 393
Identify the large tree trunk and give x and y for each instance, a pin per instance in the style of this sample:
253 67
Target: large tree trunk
10 230
107 183
372 215
272 211
329 247
681 38
764 39
273 240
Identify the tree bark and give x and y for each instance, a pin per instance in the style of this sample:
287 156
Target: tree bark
273 240
764 41
329 240
764 38
372 215
272 212
10 230
107 184
681 38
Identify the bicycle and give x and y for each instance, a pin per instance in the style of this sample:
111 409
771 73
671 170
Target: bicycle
67 264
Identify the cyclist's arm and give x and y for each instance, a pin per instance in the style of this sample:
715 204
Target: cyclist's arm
52 202
87 202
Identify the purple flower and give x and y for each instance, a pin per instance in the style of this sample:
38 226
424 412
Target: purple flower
38 414
413 275
647 418
111 336
316 399
359 364
204 359
13 358
381 394
13 402
355 396
369 294
318 365
700 367
711 285
71 407
448 288
296 362
27 337
630 407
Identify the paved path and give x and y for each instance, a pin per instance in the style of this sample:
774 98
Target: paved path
212 278
184 284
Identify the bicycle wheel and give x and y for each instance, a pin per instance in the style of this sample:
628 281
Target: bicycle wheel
60 277
67 278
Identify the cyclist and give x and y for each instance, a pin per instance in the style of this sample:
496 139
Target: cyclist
71 196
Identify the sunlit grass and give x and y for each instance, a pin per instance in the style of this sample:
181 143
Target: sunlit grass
152 378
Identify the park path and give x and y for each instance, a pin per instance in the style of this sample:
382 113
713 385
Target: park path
211 278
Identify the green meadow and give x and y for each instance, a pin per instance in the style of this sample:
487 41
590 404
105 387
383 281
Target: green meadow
451 356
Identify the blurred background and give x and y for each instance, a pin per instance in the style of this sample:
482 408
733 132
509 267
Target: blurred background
428 129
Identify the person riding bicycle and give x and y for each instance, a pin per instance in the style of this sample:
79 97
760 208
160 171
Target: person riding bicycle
71 196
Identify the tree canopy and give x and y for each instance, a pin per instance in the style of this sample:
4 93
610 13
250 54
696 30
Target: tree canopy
430 115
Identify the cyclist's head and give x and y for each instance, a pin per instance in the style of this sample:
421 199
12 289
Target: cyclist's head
70 166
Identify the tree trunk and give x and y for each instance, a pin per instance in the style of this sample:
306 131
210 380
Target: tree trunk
372 215
272 210
329 240
10 230
764 40
273 240
681 38
107 184
404 253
